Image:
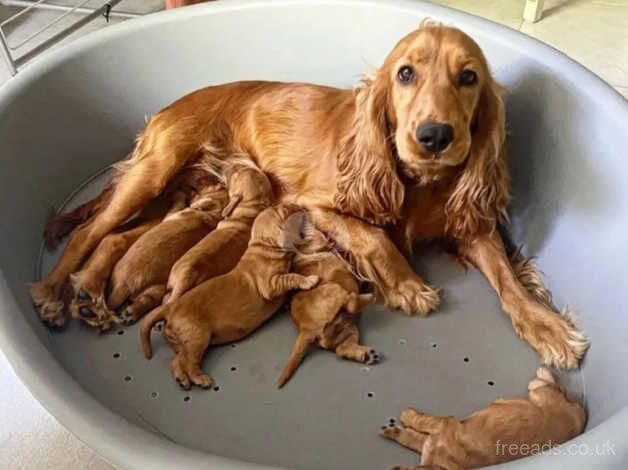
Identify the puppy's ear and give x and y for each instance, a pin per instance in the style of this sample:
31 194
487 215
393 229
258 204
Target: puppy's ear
231 205
482 192
368 184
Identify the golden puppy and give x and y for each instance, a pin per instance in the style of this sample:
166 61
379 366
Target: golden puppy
328 314
89 284
229 307
140 276
506 430
250 193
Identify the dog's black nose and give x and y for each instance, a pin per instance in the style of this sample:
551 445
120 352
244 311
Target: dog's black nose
434 136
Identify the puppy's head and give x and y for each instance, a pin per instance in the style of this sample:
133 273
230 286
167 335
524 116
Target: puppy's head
247 184
280 226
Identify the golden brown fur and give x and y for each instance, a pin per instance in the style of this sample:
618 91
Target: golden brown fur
357 153
230 307
328 314
506 430
88 285
140 276
218 253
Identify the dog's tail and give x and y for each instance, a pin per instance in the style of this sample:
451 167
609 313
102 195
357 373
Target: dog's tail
147 325
59 225
299 350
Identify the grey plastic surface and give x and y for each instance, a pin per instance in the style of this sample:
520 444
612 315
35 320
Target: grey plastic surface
77 110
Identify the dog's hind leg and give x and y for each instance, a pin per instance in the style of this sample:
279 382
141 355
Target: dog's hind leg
425 423
192 350
157 159
351 349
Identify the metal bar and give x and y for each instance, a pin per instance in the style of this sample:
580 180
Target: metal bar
21 12
6 53
53 7
63 34
47 26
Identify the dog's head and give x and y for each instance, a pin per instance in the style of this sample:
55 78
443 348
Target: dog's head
431 108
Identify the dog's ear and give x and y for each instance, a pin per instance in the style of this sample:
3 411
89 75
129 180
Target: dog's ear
231 205
482 192
368 184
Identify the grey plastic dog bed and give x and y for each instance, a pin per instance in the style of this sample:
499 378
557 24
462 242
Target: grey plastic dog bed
69 115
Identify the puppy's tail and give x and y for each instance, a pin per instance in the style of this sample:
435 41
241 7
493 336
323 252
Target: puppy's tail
299 350
147 325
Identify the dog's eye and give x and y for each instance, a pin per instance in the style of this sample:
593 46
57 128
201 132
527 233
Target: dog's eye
467 77
406 74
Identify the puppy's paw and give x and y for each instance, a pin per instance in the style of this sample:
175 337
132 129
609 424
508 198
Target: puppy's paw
409 416
128 316
413 297
202 380
390 431
51 309
371 357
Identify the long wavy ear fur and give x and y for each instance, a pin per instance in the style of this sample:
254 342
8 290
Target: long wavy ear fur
482 192
368 184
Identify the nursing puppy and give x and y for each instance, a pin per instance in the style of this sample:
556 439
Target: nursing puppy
140 277
230 307
89 285
506 430
327 315
250 193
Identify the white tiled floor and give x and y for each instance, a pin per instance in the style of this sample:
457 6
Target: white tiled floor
594 32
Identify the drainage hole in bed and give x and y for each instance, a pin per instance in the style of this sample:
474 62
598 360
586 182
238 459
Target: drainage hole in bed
216 389
466 359
186 398
491 383
233 368
154 395
370 394
120 332
233 345
116 355
128 378
434 345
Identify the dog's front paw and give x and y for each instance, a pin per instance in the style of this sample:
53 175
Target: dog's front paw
413 297
51 309
554 336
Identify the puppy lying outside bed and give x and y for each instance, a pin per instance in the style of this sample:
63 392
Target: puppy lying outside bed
328 314
230 307
140 277
250 193
506 430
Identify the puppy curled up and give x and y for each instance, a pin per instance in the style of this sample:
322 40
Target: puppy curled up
230 307
218 252
328 314
506 430
140 277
